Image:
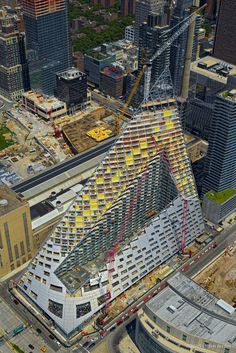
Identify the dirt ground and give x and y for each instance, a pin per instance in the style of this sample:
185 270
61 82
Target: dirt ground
220 277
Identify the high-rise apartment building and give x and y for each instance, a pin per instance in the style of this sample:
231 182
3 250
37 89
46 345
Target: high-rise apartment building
132 205
16 239
14 76
152 36
48 43
208 77
221 158
142 9
224 46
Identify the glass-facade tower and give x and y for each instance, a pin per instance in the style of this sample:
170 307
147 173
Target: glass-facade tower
48 44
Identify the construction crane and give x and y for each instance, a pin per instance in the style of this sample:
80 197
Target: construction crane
147 67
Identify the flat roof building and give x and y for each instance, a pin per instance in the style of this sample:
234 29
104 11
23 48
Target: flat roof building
16 240
112 81
71 88
184 317
47 108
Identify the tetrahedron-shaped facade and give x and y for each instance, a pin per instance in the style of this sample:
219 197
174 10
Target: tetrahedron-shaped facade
133 201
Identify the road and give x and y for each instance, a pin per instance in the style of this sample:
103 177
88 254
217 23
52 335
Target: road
62 167
223 240
27 317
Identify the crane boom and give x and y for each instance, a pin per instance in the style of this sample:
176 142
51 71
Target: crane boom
146 68
148 71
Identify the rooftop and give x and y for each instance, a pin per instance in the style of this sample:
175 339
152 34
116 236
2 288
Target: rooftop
98 55
214 68
112 72
9 200
229 94
43 102
221 197
71 73
190 308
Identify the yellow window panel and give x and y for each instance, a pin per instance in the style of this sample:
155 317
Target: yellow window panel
93 202
86 212
85 196
167 113
115 179
156 129
136 151
79 224
144 154
94 207
143 144
108 205
100 180
101 196
108 169
79 218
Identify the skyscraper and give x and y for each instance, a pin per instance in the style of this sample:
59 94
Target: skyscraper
142 9
221 158
14 76
152 36
224 46
71 87
178 48
48 43
132 204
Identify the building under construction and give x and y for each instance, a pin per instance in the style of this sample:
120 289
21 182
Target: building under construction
138 209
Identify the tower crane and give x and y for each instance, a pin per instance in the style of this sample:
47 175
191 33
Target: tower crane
146 71
147 67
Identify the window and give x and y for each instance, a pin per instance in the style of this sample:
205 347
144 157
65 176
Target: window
82 309
184 338
168 329
226 350
56 288
55 308
34 295
115 284
206 344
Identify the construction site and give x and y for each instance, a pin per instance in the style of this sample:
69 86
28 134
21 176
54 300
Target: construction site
88 131
219 278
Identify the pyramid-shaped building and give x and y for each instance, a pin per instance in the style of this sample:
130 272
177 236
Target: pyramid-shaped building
133 203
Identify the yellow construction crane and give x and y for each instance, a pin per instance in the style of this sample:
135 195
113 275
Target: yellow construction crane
147 67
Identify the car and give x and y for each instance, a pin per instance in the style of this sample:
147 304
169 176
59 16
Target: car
52 337
86 344
38 330
43 349
31 346
15 301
